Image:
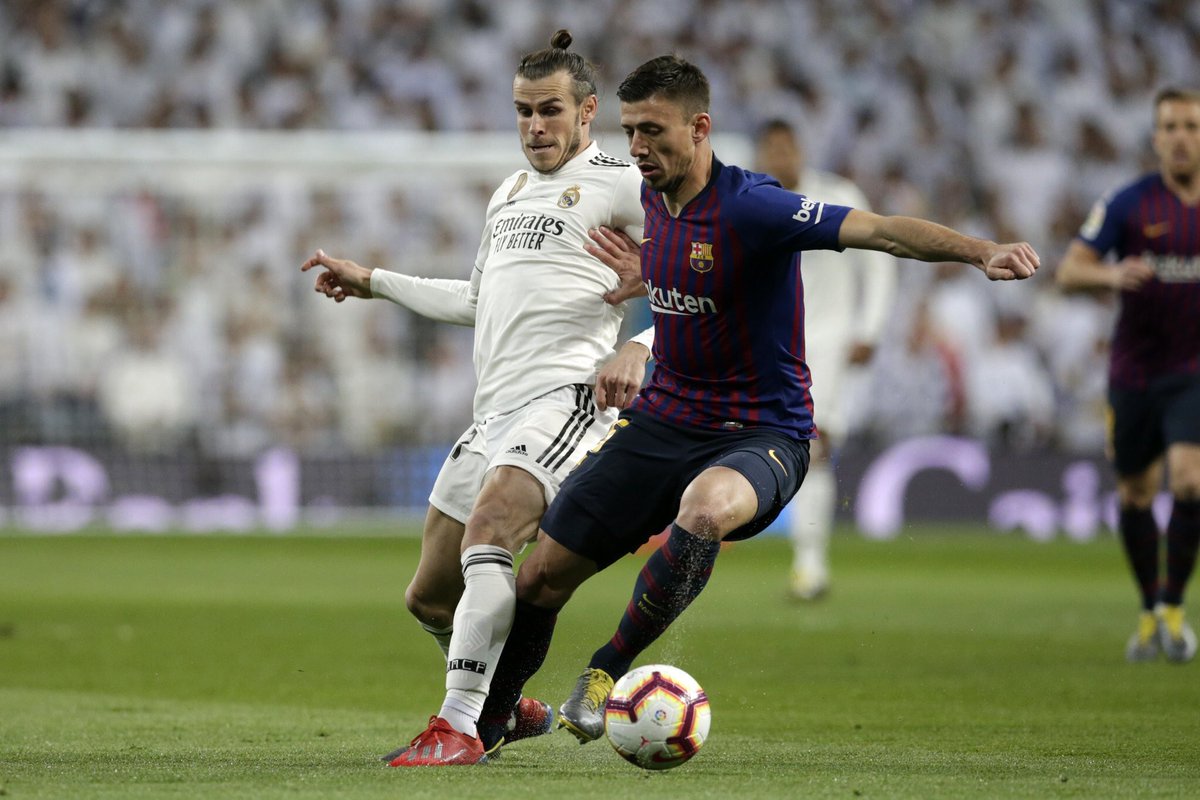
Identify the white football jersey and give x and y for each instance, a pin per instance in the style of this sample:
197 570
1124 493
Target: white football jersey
847 299
535 295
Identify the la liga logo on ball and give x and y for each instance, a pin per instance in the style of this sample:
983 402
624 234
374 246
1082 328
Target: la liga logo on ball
657 716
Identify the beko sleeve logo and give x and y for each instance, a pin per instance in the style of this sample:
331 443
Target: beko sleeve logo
807 209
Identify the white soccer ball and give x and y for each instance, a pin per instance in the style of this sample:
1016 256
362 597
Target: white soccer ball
657 716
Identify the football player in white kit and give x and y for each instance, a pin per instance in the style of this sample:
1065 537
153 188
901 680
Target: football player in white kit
544 337
848 297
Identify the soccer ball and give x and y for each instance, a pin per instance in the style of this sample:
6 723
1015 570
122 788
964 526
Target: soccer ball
657 716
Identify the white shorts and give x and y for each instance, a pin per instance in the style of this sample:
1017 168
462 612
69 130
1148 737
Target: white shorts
546 438
826 357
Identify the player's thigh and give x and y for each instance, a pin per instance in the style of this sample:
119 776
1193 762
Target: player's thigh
460 478
625 491
508 509
1183 470
1181 423
547 437
1136 436
437 583
773 466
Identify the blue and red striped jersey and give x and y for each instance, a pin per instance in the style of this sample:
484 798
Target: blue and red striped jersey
728 303
1158 328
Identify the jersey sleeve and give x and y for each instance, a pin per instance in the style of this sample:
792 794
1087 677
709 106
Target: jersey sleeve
627 213
439 299
784 220
1102 230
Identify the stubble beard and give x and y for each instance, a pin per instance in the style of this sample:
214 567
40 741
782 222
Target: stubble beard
670 184
570 151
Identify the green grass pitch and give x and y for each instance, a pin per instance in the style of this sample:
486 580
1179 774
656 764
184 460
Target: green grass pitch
948 663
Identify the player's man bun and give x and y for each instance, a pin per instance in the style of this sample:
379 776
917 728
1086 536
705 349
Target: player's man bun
556 58
561 40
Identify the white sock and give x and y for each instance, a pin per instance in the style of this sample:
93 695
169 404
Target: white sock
441 636
812 521
481 624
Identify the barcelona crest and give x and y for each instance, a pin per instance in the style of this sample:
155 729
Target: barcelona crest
570 197
702 256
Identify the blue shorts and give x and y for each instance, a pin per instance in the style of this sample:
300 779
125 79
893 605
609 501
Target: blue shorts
628 487
1145 422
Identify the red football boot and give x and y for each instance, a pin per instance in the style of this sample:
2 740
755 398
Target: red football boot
440 745
530 718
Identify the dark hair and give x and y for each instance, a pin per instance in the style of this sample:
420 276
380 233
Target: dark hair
1172 94
673 78
554 59
776 125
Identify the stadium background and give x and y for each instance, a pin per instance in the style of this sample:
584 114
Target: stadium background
166 166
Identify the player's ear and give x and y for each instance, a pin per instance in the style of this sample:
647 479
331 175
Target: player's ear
589 108
701 126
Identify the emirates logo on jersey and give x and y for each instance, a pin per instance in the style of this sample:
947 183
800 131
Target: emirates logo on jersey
701 257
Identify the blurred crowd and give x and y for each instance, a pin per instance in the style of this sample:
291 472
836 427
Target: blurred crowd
156 319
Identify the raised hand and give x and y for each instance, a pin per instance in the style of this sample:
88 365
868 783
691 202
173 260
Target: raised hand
1131 273
341 279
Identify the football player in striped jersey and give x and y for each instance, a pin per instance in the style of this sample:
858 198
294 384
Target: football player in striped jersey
1152 227
717 443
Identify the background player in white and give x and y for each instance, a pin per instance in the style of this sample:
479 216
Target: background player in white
542 333
849 296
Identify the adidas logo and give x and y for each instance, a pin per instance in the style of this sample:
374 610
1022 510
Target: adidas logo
605 160
519 449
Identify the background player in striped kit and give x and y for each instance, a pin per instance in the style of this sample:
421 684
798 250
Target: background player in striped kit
1153 228
851 296
716 444
542 332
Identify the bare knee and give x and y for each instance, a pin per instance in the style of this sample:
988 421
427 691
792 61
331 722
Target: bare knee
717 502
551 574
433 609
1139 491
710 514
1183 472
538 583
705 521
1187 488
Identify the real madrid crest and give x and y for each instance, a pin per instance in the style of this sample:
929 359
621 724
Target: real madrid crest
519 185
701 257
570 197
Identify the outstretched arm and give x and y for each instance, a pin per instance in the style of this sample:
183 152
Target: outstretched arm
440 299
1081 268
909 237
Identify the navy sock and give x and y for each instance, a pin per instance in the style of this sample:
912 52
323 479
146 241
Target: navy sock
1139 534
523 654
1183 536
672 578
